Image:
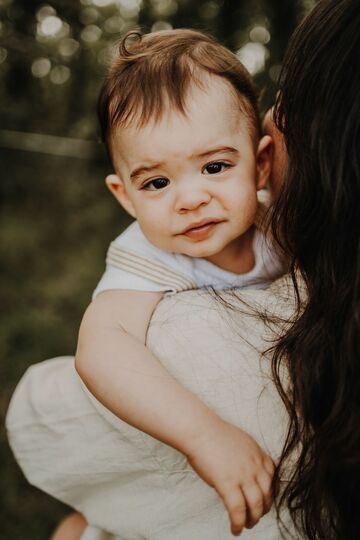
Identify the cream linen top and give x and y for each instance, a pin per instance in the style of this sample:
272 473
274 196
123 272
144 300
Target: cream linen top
125 482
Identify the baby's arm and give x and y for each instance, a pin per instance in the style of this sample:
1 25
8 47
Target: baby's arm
129 380
126 377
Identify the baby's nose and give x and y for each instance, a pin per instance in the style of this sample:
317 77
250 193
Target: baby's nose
190 198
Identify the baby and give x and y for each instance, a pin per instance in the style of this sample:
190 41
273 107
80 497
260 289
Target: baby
179 118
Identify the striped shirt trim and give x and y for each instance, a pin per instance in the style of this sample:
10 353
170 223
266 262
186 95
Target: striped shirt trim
148 269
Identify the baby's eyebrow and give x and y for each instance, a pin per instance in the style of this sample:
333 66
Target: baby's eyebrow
220 149
144 169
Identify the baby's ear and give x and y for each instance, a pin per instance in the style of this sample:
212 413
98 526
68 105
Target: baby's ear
264 159
118 189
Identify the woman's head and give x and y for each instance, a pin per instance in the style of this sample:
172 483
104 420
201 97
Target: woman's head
318 111
318 105
316 221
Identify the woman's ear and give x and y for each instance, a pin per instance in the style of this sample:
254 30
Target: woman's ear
118 189
264 159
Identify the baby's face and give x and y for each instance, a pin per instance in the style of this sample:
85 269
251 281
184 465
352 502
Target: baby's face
191 181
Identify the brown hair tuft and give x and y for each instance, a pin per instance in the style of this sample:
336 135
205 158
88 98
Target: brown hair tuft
155 70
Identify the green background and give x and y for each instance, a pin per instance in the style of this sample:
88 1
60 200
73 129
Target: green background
57 218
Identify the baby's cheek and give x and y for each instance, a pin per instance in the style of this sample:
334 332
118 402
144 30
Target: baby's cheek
150 225
157 233
245 204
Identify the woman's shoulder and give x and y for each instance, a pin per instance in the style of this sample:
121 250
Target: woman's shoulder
280 299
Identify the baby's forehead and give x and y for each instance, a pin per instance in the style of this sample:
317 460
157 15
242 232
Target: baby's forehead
210 124
214 90
215 97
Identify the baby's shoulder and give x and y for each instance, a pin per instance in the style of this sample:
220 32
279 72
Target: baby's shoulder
133 240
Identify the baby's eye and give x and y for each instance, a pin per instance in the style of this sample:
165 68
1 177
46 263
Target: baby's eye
156 184
215 167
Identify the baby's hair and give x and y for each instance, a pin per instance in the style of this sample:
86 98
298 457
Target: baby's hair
153 71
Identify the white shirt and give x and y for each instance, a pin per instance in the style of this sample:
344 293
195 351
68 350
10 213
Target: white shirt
133 263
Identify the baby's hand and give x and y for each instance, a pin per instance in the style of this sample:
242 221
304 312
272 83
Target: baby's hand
231 461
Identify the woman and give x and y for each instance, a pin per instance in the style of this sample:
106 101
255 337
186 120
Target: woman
313 319
316 221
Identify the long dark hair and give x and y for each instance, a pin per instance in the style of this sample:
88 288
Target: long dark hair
316 221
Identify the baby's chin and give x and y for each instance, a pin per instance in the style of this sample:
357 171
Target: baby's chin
198 251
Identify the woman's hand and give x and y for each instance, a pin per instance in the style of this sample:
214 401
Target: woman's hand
231 461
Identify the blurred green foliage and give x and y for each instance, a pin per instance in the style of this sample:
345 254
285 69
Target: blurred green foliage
56 217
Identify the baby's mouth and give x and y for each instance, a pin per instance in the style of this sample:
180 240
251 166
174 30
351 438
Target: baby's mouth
202 229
